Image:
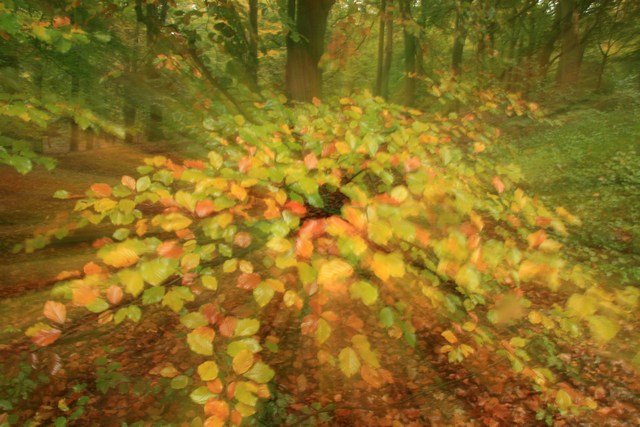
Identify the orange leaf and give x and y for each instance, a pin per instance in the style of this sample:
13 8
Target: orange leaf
84 295
537 238
412 164
330 316
98 243
101 190
68 274
249 281
91 268
214 422
242 239
61 21
217 408
114 294
236 417
371 376
311 161
272 211
244 164
215 386
312 228
497 184
296 207
185 234
355 322
195 164
304 247
170 249
204 208
228 326
45 337
211 313
55 311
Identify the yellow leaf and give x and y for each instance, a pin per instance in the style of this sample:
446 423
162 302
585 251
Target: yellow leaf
361 344
582 305
174 221
323 332
242 361
333 271
603 329
279 244
449 336
238 192
348 362
208 370
385 266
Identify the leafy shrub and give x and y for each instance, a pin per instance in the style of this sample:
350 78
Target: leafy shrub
352 218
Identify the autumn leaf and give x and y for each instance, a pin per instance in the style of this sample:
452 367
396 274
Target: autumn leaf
114 294
101 190
335 270
55 311
498 184
311 161
217 408
45 337
348 362
242 361
204 208
208 371
242 239
248 281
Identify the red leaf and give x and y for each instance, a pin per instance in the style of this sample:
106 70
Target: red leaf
61 21
45 337
211 313
412 164
55 311
101 190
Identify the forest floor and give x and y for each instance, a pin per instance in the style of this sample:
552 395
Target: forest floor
103 375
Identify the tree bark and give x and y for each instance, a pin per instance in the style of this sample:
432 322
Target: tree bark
571 52
379 66
388 54
305 46
459 40
410 44
253 42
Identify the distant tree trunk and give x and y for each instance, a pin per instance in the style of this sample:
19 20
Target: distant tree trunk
388 55
74 141
460 37
305 46
253 42
410 46
379 66
571 50
129 109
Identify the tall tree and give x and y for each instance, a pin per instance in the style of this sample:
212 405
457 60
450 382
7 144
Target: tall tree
410 52
305 46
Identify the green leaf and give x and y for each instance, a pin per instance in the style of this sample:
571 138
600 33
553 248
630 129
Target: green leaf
386 317
246 393
179 382
602 328
98 305
200 343
201 395
153 295
176 297
260 372
348 362
193 320
323 332
364 291
61 194
263 293
143 184
247 327
157 270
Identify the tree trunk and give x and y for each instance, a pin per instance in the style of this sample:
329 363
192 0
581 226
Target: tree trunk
129 108
388 55
460 37
410 45
379 66
571 52
74 140
305 46
253 42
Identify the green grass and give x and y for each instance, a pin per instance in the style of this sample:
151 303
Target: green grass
589 163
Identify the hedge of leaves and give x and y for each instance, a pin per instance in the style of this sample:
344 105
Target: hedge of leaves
325 210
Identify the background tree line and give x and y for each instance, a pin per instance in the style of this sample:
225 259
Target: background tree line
157 69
